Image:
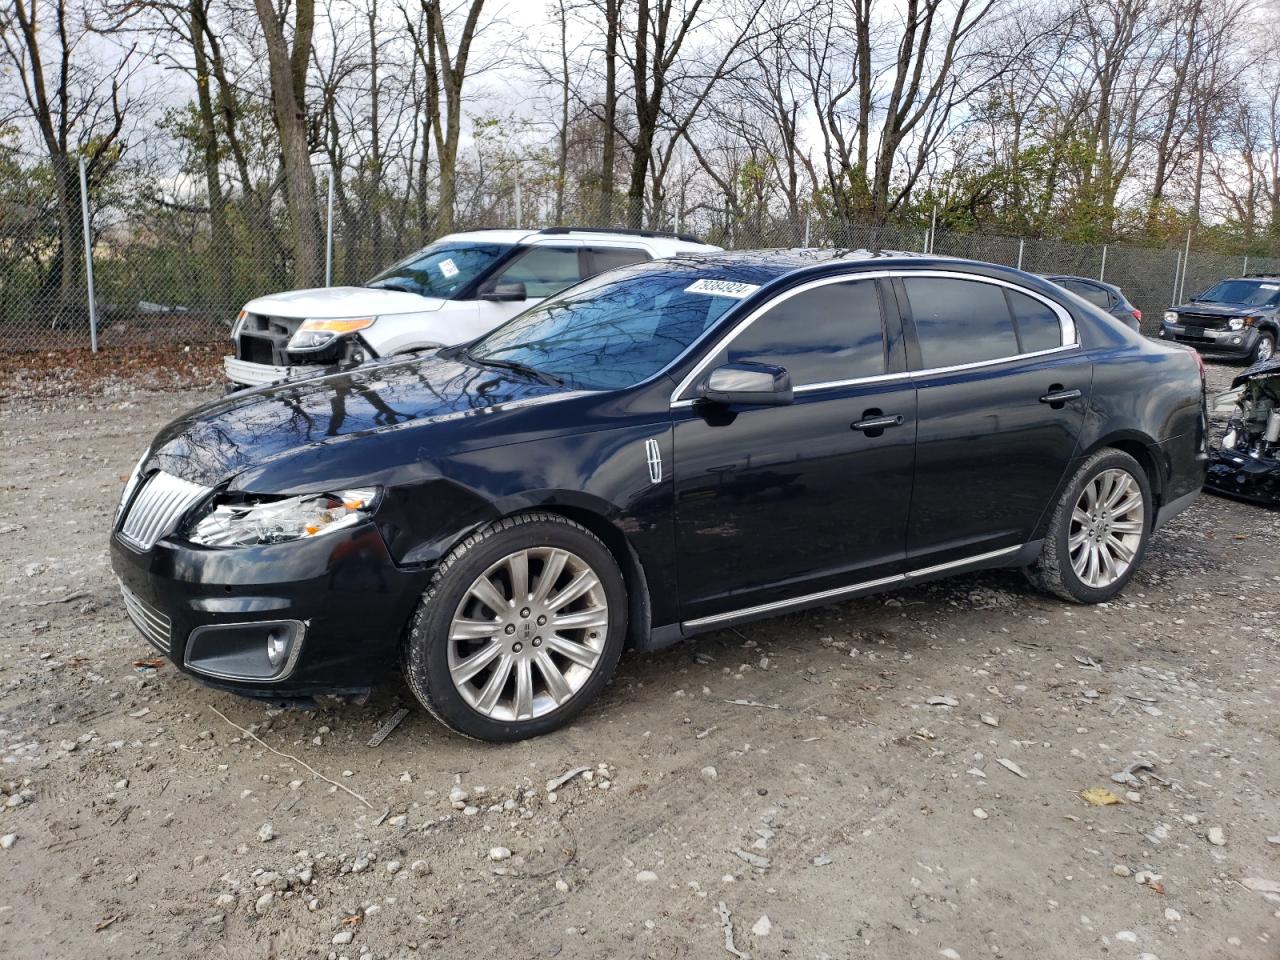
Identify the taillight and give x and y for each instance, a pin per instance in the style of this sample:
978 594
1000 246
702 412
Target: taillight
1137 314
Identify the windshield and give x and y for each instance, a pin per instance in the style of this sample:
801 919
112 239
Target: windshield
611 332
1255 293
440 270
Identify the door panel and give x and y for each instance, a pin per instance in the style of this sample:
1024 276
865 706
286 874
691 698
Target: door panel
989 454
776 502
772 502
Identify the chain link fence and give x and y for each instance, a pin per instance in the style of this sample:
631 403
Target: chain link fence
164 272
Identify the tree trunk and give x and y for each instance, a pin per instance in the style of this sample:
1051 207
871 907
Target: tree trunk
288 73
453 74
220 248
608 155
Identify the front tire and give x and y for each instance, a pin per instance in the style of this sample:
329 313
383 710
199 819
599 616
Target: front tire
520 629
1265 348
1098 533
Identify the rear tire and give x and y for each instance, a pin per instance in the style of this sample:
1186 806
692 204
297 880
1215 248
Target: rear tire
521 628
1099 530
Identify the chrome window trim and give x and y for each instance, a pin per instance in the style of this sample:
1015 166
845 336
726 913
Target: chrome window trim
1066 325
1070 335
754 315
903 578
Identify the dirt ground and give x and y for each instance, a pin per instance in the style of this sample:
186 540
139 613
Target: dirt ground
783 790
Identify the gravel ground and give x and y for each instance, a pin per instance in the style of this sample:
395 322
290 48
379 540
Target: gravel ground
894 777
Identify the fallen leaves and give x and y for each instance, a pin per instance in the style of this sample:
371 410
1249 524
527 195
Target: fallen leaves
1100 797
1011 767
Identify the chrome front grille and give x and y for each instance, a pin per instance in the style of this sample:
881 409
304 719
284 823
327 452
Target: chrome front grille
151 623
157 508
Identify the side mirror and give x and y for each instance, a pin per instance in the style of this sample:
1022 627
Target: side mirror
505 292
754 384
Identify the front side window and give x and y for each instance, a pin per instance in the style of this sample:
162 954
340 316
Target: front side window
610 332
960 321
1253 293
440 270
544 270
828 333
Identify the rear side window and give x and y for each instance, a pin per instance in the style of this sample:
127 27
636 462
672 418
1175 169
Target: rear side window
960 321
828 333
544 270
1038 326
606 258
1091 292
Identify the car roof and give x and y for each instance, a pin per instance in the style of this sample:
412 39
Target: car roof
763 266
1072 276
664 244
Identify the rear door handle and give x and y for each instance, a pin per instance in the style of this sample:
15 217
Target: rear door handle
1057 396
877 423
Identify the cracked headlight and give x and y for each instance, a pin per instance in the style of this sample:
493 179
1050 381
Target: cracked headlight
258 521
318 334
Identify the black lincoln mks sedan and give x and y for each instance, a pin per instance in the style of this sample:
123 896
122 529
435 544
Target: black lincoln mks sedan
665 449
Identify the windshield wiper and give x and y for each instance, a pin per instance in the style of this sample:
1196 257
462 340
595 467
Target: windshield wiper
550 379
399 287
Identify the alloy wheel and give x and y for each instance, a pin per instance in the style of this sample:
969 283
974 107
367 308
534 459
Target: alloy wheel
1265 348
528 633
1107 526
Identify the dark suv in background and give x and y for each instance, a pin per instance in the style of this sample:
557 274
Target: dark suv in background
1237 318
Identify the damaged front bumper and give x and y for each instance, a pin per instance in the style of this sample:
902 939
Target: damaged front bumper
1246 466
248 374
1242 477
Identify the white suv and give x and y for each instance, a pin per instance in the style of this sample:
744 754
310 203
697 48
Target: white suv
458 288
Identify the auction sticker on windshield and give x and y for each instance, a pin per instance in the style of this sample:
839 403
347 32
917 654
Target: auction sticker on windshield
449 269
722 288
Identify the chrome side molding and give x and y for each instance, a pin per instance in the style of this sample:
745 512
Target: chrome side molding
777 606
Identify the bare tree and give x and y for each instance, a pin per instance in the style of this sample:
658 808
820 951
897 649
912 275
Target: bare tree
288 63
77 90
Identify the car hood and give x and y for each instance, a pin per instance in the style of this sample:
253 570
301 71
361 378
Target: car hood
327 303
298 436
1261 370
1217 309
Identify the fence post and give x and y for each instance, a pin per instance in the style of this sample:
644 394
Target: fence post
933 229
806 229
328 237
519 204
88 258
1186 263
1102 271
1021 242
1245 271
1177 272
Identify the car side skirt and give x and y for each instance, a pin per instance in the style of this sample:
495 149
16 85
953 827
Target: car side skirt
1018 556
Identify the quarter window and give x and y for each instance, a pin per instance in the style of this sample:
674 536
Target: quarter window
1091 292
960 321
607 258
827 333
1038 325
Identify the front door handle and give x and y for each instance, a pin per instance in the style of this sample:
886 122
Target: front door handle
874 423
1057 396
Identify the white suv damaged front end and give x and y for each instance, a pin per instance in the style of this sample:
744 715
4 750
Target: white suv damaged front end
303 333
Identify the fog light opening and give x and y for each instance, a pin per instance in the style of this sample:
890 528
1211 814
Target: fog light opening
278 642
1236 340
